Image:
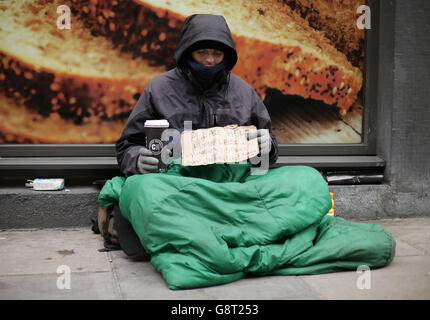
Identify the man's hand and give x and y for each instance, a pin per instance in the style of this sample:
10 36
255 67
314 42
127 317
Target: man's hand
146 162
264 140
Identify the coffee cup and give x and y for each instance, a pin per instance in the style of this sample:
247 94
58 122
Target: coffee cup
154 142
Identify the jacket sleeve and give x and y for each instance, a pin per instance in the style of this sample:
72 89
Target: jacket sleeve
261 119
133 134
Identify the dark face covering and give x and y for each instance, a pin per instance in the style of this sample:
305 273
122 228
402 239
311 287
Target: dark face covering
205 76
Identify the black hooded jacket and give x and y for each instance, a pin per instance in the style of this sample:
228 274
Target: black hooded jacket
178 97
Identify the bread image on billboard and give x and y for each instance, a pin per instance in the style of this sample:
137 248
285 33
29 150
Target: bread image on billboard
304 58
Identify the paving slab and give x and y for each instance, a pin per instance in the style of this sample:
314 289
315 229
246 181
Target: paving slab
83 286
403 249
29 261
407 277
416 236
140 280
33 261
413 231
43 251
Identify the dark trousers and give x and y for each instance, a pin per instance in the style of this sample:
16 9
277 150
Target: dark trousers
128 239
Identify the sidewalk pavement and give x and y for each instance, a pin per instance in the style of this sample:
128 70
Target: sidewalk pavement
34 264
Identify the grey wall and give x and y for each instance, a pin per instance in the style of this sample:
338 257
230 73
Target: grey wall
410 128
403 120
403 117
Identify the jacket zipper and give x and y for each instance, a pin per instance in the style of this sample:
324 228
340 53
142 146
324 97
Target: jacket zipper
210 121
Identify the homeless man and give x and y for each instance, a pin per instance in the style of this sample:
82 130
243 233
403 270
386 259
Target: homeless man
201 89
214 224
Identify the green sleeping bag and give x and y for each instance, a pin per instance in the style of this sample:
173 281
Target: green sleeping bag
214 224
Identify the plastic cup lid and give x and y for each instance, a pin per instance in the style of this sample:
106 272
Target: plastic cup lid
161 123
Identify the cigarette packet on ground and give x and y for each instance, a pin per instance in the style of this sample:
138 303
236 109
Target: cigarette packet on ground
48 184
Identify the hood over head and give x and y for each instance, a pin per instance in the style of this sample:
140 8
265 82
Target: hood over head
210 30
